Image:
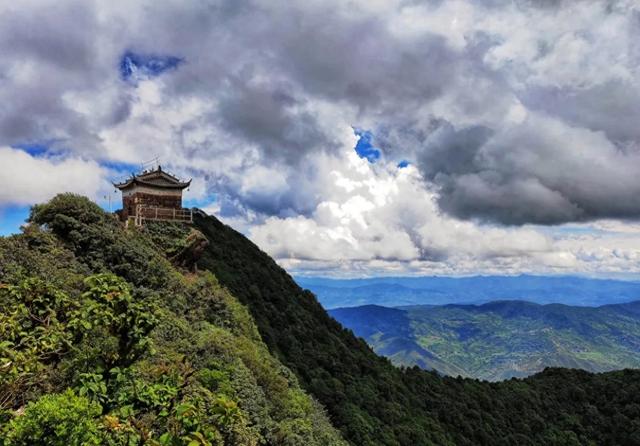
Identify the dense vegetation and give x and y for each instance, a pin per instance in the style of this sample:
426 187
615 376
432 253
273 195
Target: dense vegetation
104 341
500 340
374 403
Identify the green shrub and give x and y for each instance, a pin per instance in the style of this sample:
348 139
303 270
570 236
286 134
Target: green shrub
56 420
108 309
34 334
66 207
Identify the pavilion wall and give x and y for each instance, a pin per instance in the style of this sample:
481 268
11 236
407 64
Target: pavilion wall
171 199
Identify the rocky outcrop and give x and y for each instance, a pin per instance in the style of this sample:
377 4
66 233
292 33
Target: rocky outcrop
188 257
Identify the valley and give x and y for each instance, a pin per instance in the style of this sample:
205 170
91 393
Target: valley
500 340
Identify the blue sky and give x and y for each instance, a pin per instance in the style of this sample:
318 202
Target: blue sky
11 217
137 66
365 147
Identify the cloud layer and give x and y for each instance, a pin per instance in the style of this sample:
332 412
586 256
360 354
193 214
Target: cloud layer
27 179
511 114
379 219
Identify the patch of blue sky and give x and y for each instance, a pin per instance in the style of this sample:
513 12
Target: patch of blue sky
136 66
402 164
35 150
11 218
120 171
201 203
364 147
120 166
45 149
38 148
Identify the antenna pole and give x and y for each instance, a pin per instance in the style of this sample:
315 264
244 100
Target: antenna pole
152 164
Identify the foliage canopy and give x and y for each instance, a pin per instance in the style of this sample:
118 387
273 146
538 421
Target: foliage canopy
104 341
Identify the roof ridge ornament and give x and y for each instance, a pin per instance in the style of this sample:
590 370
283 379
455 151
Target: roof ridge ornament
145 178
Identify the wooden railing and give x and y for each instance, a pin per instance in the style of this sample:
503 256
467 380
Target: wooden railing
153 213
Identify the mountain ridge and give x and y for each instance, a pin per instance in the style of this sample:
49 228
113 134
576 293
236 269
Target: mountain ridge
440 290
255 359
501 339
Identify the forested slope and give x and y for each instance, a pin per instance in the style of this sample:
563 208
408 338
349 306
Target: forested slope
104 340
374 403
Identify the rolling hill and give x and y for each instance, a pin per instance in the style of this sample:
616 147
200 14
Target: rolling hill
433 290
501 339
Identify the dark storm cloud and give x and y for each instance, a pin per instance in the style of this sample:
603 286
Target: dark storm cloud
526 175
266 115
354 58
612 107
451 152
275 64
45 52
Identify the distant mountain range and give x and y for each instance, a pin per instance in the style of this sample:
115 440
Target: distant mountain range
502 339
398 291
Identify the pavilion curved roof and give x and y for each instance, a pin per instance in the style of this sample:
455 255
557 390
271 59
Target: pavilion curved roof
156 178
